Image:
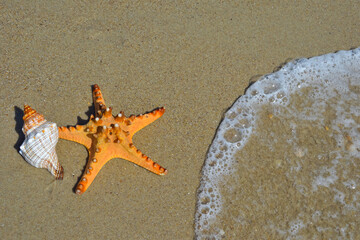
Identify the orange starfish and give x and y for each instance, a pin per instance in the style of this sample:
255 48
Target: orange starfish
107 137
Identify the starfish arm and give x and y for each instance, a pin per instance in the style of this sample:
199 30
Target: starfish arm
134 124
95 162
101 154
134 155
75 134
99 101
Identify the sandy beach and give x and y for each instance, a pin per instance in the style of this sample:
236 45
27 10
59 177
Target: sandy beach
194 58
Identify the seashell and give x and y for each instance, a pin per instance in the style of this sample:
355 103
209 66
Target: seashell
41 137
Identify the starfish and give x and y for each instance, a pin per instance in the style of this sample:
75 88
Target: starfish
107 137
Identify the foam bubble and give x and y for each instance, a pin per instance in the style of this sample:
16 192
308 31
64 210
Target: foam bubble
295 227
314 103
232 135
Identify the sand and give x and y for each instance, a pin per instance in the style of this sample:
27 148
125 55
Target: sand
195 59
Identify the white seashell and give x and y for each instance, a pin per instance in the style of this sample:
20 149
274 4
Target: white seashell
41 137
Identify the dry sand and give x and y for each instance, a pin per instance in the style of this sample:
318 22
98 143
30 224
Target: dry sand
193 58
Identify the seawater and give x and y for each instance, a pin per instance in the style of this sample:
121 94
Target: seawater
285 161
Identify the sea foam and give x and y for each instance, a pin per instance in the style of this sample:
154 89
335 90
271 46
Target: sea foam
301 125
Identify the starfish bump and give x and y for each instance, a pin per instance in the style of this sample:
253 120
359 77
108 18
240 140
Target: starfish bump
107 137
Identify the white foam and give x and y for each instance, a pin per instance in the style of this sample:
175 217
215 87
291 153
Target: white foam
326 76
325 177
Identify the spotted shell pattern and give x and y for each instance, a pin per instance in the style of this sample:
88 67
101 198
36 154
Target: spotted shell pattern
41 137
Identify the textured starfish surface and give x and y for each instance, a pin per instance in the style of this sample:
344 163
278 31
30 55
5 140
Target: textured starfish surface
107 137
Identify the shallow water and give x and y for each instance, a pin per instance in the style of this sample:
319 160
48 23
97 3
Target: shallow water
285 160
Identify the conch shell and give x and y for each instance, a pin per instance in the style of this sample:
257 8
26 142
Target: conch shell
41 137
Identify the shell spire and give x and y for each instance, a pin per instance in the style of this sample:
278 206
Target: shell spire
32 119
41 137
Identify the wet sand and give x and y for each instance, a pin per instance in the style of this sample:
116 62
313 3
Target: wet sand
194 59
